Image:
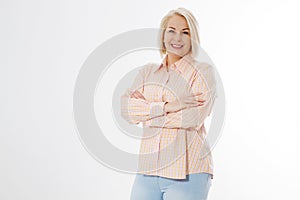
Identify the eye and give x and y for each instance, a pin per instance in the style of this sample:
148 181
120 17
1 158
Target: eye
171 31
186 33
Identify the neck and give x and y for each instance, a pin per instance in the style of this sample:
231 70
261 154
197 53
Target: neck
172 59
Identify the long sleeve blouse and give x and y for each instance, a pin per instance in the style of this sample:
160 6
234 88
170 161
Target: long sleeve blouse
173 144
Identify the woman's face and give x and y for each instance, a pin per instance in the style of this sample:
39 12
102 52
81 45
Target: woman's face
177 36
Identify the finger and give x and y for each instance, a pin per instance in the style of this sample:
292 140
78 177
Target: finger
191 102
137 92
195 99
142 97
200 104
196 94
135 95
200 100
194 105
139 95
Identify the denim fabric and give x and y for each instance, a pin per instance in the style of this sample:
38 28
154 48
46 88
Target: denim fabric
194 187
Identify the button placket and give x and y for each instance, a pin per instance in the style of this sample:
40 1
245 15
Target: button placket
165 80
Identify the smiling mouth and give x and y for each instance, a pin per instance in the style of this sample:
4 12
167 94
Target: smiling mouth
176 46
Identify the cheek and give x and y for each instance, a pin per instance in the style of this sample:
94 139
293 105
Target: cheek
167 39
187 40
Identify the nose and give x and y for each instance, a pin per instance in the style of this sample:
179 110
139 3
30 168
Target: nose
178 36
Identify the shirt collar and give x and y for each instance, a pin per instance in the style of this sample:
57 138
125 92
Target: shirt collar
178 64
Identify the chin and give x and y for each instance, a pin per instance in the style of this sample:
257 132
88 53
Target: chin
181 54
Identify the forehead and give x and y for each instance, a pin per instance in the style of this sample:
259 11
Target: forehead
177 21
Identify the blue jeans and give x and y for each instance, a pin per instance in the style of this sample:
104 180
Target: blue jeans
194 187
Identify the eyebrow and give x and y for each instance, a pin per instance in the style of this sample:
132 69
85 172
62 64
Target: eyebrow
175 28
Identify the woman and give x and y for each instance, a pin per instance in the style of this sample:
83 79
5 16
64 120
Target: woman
172 101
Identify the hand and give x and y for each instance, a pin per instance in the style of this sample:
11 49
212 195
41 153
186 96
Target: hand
184 102
136 94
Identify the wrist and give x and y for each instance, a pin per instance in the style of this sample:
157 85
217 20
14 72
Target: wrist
157 109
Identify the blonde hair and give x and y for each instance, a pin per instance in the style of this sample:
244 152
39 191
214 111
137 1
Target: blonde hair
193 26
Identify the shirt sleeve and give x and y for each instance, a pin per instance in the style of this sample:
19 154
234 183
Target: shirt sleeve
193 117
135 110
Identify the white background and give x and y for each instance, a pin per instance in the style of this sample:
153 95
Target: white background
254 45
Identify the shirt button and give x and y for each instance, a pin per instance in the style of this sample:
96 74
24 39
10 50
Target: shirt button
168 79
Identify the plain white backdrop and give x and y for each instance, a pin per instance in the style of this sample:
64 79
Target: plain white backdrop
253 44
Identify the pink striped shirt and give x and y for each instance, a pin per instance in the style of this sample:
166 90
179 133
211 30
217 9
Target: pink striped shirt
173 144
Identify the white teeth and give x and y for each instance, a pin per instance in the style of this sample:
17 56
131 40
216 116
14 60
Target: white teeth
176 45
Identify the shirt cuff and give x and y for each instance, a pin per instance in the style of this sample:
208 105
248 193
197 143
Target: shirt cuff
157 109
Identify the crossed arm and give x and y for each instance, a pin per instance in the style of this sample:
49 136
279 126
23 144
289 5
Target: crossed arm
184 113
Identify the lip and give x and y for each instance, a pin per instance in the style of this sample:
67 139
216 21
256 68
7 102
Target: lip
177 46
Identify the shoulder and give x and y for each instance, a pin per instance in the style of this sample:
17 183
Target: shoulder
202 66
149 68
204 73
196 65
